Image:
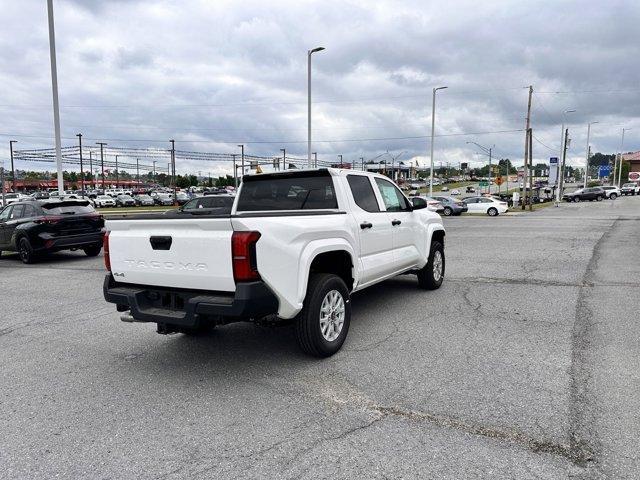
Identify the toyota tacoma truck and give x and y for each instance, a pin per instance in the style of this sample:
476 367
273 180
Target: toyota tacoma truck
294 246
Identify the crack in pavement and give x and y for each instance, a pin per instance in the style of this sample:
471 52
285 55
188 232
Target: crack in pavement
582 406
540 282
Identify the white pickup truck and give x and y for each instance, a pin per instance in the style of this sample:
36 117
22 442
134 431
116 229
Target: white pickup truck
294 246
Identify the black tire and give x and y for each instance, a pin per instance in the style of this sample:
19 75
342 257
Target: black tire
599 198
448 211
25 251
492 212
427 278
613 196
92 251
307 324
576 199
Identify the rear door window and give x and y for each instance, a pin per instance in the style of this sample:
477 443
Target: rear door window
4 214
363 193
17 212
29 211
287 192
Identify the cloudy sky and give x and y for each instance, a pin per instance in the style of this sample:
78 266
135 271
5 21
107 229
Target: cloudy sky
215 73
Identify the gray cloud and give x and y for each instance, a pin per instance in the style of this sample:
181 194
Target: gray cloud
212 74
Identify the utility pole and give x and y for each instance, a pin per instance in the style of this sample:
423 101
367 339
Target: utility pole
284 157
588 149
154 171
242 162
526 149
102 144
13 170
340 158
2 183
91 169
173 171
138 172
565 144
362 163
54 90
620 161
315 159
117 173
235 176
530 161
79 135
309 53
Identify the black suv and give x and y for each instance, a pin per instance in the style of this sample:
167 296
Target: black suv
42 226
590 193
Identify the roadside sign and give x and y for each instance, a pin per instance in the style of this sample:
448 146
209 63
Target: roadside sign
634 176
483 183
498 181
604 171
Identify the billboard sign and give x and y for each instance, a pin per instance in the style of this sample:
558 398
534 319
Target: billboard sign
553 170
604 171
634 176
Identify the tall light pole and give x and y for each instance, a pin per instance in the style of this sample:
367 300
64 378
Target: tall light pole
54 89
433 129
173 171
13 169
102 144
560 176
315 159
284 158
309 53
586 170
620 159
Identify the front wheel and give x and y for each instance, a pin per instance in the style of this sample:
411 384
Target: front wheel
322 325
599 198
431 276
577 199
613 196
492 212
447 211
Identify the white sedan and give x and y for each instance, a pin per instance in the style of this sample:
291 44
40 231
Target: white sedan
455 191
489 205
104 201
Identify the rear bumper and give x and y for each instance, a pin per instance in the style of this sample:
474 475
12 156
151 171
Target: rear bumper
51 243
187 308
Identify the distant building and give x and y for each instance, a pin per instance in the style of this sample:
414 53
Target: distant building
634 161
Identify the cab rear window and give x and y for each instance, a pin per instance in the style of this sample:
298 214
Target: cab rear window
309 191
67 209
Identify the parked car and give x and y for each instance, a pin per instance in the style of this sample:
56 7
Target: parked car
103 201
42 226
611 191
182 198
455 191
295 246
470 189
163 199
209 205
444 189
143 200
582 194
125 201
489 205
431 204
10 198
451 206
630 188
40 195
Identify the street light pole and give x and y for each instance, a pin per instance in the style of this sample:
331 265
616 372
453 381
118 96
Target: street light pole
92 182
154 171
54 89
586 170
433 127
173 171
284 158
13 170
309 53
79 135
315 159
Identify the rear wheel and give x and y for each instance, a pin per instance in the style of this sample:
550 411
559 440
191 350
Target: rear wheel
599 198
92 251
25 250
613 196
431 276
447 211
576 199
492 212
322 325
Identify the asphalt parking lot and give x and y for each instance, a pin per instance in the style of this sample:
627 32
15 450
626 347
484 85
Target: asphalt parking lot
525 364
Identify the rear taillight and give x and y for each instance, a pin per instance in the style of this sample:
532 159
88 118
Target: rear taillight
105 249
243 252
48 220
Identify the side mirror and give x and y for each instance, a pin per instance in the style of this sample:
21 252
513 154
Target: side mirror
418 203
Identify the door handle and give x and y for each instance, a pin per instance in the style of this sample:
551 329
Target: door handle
395 222
364 225
160 243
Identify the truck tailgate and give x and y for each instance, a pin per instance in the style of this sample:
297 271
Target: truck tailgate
179 253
